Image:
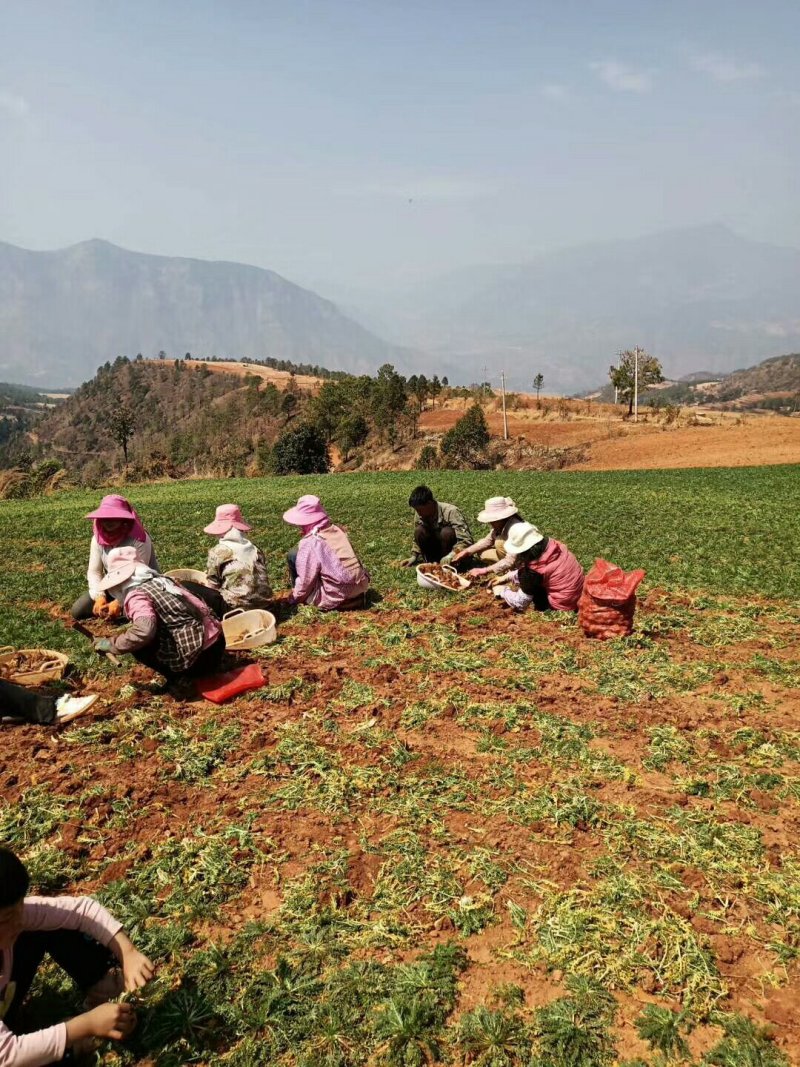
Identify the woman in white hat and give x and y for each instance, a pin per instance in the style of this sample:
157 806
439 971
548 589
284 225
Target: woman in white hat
172 631
501 515
235 566
548 575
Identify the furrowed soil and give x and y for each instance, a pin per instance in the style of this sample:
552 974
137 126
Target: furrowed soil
436 808
698 438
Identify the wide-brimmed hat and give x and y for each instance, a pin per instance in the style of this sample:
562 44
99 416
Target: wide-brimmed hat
307 511
113 507
522 536
497 508
122 562
228 517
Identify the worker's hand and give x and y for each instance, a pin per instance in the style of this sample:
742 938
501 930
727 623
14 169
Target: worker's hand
116 1021
100 606
477 572
449 559
137 969
456 556
410 562
102 644
114 609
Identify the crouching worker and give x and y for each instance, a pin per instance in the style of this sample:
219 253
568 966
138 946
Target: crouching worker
439 531
40 708
83 939
115 524
235 566
326 571
548 576
172 631
501 515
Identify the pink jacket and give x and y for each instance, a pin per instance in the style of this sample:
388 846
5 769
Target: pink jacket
328 570
48 913
562 576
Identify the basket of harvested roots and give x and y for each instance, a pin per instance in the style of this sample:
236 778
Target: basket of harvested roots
441 576
32 666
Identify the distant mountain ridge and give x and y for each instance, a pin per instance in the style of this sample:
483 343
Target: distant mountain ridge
695 297
64 313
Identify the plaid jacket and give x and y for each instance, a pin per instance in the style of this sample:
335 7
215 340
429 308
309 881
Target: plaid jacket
180 631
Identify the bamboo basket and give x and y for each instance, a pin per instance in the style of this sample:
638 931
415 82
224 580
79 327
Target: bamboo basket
50 669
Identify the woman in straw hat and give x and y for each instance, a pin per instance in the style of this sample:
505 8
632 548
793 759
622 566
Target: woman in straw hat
172 631
115 525
235 566
324 567
501 515
548 576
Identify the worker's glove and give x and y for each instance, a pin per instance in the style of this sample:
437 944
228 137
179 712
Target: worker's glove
498 591
100 606
410 562
447 559
102 644
114 609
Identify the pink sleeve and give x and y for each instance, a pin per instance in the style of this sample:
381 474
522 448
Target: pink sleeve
309 565
70 913
32 1050
138 605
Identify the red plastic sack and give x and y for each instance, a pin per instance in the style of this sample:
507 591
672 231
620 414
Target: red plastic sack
608 600
222 687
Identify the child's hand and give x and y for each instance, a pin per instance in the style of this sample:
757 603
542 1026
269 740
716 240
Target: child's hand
116 1021
137 970
100 606
102 644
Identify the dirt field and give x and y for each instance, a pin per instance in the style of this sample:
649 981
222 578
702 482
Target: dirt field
719 440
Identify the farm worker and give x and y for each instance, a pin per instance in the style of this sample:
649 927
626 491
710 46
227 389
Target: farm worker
116 524
83 939
501 515
171 629
39 708
324 567
547 576
235 566
440 529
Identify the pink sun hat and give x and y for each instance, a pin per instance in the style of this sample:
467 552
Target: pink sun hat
122 562
228 517
113 507
308 511
497 508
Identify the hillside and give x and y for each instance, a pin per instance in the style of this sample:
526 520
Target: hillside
187 420
66 312
697 297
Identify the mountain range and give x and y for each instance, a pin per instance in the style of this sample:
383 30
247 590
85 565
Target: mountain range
64 313
699 297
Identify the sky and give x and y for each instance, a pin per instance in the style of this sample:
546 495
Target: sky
373 143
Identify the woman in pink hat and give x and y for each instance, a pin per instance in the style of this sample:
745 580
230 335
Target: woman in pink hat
501 515
171 630
325 570
235 566
115 525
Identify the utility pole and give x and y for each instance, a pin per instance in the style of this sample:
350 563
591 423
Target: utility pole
636 384
505 416
485 379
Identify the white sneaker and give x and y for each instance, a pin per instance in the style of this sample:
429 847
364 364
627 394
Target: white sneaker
68 707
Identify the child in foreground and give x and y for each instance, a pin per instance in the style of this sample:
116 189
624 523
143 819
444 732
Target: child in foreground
84 939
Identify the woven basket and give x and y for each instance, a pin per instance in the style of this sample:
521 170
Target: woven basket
50 669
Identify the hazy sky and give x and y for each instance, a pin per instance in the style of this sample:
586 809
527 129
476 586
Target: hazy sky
365 142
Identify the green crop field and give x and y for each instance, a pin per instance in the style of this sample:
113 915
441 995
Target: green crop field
443 833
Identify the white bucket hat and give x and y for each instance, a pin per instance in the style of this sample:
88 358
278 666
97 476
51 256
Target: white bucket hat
523 535
497 508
